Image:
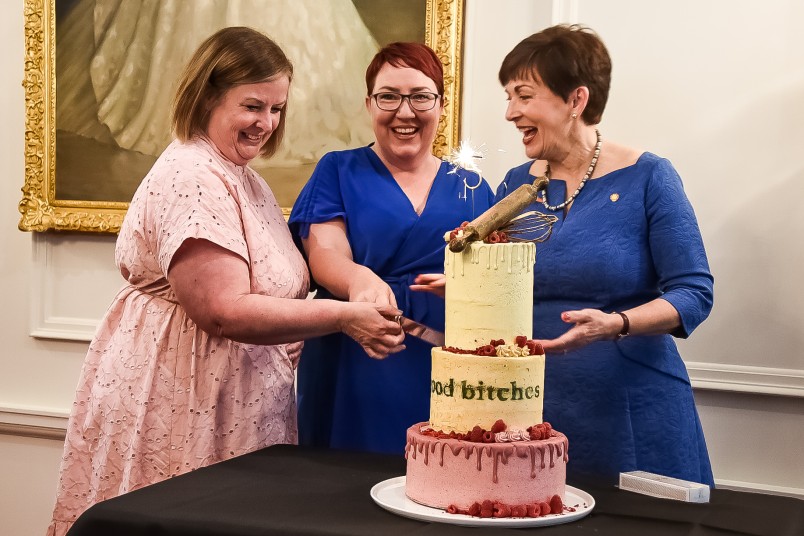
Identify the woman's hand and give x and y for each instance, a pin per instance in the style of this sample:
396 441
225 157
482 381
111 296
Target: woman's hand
369 325
590 325
294 350
368 287
435 283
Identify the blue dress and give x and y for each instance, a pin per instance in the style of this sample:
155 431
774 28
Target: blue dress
631 236
346 399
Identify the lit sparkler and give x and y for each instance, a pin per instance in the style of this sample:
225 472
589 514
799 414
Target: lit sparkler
466 157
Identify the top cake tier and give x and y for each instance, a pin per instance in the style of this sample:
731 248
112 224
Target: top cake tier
489 293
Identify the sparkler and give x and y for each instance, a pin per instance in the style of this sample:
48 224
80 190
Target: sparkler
507 213
466 157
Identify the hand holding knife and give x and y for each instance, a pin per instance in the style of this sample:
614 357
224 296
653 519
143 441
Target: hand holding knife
420 331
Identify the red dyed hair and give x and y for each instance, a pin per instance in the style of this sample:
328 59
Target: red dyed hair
406 54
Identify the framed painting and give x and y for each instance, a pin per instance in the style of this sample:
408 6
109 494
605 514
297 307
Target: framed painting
100 75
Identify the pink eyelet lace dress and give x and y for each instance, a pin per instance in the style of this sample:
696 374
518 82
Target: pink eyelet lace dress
157 396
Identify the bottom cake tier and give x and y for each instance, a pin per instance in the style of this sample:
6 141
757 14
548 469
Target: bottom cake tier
444 473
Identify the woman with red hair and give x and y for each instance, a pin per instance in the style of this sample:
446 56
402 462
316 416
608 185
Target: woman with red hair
370 220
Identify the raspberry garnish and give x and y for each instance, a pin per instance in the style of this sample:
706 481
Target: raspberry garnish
501 510
487 509
556 505
498 426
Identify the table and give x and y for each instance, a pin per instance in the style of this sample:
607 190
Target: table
289 490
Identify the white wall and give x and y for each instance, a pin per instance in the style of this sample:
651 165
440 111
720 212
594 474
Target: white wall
716 86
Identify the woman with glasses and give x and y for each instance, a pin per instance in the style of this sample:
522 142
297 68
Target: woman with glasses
370 220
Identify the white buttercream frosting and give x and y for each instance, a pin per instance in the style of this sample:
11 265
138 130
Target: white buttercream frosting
512 350
489 293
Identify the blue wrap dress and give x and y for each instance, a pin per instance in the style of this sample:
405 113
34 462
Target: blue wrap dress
346 399
630 237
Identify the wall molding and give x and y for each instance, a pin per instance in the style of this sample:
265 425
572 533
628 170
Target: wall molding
40 423
746 379
565 11
44 323
736 485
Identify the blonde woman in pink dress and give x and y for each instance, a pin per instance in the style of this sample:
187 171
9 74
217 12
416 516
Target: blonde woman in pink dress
194 361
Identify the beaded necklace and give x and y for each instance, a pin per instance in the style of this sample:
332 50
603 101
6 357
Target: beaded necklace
583 181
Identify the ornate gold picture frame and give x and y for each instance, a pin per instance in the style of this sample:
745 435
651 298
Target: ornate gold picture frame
46 205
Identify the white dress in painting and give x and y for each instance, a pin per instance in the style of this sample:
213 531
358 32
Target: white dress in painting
138 49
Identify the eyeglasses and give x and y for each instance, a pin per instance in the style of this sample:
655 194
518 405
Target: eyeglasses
390 102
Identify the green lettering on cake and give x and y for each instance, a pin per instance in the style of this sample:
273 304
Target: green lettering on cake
467 392
441 389
481 391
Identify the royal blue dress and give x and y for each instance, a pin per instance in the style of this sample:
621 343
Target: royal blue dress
630 236
346 399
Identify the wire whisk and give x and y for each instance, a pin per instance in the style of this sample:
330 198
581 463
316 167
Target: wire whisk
531 226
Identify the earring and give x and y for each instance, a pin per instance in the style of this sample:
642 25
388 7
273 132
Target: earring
574 115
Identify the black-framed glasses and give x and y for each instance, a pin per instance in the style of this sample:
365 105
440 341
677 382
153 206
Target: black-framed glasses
421 101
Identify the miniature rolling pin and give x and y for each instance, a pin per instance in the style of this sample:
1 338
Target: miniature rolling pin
499 214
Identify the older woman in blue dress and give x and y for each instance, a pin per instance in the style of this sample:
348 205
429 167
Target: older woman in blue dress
371 220
624 271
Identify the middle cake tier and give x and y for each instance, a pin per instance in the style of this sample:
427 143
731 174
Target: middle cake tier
469 390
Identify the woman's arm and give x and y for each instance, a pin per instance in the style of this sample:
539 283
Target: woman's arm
330 257
680 262
589 325
213 285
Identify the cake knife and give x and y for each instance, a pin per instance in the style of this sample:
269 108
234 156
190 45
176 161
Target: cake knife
420 331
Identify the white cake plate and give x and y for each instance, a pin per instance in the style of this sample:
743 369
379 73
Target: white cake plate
390 494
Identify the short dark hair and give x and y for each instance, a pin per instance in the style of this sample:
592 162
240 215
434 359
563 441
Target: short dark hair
564 57
407 54
230 57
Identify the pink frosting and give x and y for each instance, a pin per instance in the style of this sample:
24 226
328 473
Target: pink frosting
444 472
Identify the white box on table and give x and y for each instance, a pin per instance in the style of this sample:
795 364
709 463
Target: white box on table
664 487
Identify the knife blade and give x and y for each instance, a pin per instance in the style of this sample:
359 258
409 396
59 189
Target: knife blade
420 331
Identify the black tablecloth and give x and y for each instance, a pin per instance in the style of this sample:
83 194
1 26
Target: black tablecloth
292 490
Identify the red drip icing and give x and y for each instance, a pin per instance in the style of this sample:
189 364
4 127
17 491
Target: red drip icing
502 455
428 448
532 449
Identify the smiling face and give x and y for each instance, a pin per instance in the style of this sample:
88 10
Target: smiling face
244 117
405 134
543 118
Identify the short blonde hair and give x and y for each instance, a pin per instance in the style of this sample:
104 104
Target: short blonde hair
230 57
